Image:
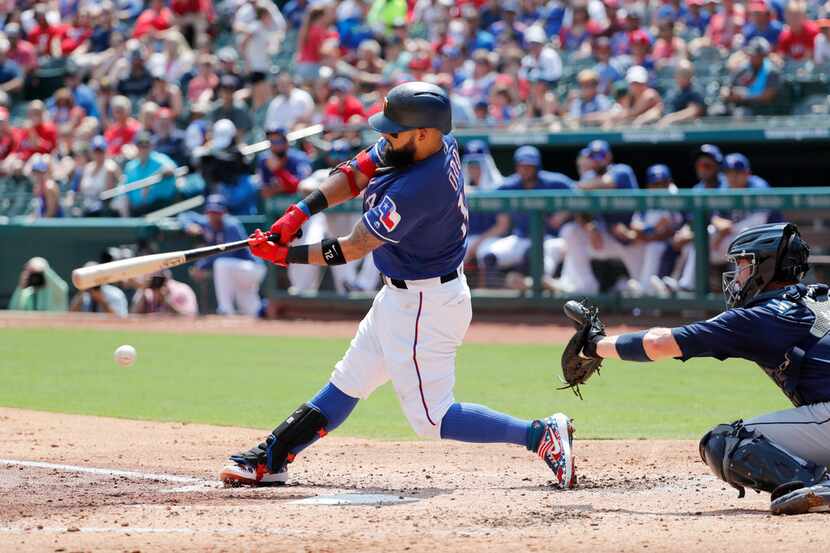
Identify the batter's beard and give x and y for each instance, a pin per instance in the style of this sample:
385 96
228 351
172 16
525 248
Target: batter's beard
402 157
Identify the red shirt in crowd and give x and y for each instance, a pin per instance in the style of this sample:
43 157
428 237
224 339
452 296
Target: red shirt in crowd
118 135
42 37
8 143
188 7
150 20
314 39
44 141
73 37
345 110
24 55
798 46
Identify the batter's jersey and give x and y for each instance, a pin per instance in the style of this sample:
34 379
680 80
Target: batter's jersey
421 213
784 331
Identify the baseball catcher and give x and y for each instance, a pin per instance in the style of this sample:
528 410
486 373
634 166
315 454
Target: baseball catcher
773 320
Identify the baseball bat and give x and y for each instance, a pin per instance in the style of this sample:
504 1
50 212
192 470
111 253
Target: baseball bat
114 271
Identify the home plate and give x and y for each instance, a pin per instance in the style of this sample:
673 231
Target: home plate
355 499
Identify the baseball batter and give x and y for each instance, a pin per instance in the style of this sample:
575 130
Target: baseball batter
415 224
780 324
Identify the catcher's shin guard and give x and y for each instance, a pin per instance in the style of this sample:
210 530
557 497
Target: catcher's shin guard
303 427
746 458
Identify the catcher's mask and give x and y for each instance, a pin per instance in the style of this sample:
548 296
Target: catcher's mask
761 255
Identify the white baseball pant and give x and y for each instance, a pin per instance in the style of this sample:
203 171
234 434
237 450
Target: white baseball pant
237 284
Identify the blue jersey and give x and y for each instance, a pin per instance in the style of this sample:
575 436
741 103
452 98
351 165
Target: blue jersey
624 179
421 213
231 231
546 180
783 331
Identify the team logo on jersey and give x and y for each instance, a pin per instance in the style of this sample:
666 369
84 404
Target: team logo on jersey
389 216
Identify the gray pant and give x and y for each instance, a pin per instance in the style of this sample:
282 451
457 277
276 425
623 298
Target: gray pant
803 431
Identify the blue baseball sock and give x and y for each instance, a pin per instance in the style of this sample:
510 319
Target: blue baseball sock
335 406
468 422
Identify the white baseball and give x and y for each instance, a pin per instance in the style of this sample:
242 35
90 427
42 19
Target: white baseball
125 355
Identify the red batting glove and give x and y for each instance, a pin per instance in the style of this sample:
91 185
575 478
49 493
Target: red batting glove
262 248
287 227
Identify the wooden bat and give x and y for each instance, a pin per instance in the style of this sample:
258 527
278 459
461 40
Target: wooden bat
114 271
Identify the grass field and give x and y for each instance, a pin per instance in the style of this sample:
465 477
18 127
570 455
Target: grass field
255 381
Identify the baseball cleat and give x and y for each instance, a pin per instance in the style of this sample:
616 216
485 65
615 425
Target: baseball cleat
812 499
555 448
241 474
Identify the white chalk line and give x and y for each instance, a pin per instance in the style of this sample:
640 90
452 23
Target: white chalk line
171 478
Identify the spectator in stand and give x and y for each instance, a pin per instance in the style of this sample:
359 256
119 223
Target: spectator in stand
206 80
577 36
168 139
684 103
228 62
150 164
669 49
82 95
166 95
197 130
632 23
138 80
226 170
509 27
11 76
541 57
608 69
75 36
639 45
645 104
162 295
38 134
147 115
175 60
21 51
237 275
100 174
696 19
103 101
343 104
509 250
541 105
45 191
39 288
291 106
798 37
316 28
123 128
100 299
64 113
228 108
587 105
281 168
8 139
45 36
726 24
757 83
157 17
294 12
260 29
482 77
761 23
821 49
193 18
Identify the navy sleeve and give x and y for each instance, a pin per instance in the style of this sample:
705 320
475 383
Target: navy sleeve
397 213
624 177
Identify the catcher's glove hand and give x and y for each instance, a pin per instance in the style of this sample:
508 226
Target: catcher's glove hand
580 359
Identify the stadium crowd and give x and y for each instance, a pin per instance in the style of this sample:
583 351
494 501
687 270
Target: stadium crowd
98 94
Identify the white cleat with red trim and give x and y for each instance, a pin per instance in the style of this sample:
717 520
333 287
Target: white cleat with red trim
239 474
555 448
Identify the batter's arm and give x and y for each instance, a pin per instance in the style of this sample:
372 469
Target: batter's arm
658 343
356 245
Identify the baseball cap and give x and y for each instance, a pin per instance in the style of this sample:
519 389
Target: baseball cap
527 155
636 74
598 149
99 143
712 151
276 129
143 137
657 173
342 84
230 81
758 45
477 147
224 132
640 37
737 162
216 204
227 54
535 34
40 165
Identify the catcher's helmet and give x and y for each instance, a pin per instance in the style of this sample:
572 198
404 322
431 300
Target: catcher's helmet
775 252
415 105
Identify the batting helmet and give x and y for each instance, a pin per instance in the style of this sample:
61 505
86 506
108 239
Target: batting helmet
776 252
415 105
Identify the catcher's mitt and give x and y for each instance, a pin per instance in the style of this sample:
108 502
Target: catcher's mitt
580 359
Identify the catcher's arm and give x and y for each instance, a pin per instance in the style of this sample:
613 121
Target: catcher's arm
657 343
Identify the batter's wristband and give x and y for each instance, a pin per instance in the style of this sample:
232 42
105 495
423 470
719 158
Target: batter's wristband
346 169
366 164
313 203
630 346
332 252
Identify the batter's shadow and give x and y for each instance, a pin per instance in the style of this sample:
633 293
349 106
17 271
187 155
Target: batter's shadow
420 493
684 514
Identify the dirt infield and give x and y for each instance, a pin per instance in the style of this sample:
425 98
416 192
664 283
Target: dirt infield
632 496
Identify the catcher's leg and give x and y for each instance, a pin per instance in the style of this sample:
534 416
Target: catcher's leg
743 457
